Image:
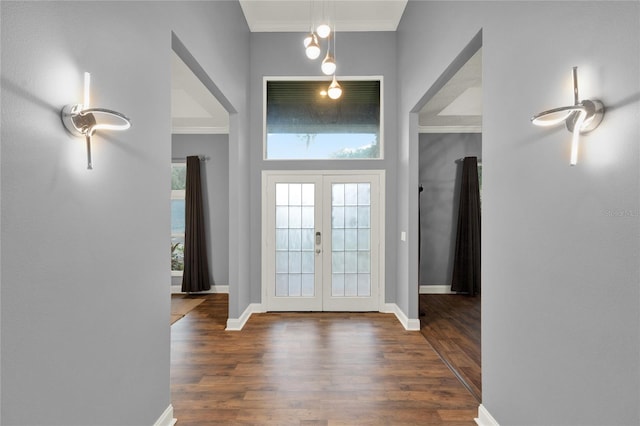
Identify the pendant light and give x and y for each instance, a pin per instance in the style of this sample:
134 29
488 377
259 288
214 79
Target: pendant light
323 29
307 39
335 91
329 63
313 48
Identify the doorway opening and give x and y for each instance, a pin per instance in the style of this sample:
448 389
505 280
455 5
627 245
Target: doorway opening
449 118
200 116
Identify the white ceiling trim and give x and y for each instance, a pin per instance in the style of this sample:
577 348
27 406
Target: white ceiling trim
341 26
449 129
178 130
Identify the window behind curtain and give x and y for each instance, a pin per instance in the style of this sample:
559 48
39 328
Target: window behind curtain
302 123
178 188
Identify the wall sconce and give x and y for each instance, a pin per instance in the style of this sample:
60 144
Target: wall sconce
581 117
80 120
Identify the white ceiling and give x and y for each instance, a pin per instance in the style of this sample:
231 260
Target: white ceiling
193 108
298 15
457 107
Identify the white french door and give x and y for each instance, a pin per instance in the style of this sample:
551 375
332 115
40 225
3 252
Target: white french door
321 241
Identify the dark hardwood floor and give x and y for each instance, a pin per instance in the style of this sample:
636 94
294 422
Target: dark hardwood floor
309 369
451 324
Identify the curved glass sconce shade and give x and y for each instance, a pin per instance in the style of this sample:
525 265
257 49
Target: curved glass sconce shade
80 120
582 117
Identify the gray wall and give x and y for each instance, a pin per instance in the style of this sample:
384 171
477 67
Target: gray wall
84 323
215 187
561 299
358 54
441 177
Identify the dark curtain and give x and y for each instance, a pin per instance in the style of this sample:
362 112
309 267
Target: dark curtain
466 262
195 276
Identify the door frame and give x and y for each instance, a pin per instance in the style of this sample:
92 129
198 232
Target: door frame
382 218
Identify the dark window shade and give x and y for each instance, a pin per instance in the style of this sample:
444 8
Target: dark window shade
298 107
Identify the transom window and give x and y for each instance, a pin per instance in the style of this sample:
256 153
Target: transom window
303 123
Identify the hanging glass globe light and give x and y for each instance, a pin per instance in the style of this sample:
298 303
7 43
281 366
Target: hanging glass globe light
334 91
313 48
329 64
323 30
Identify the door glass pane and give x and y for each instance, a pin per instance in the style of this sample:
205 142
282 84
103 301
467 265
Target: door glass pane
282 194
282 239
308 260
295 239
307 217
308 283
337 239
337 195
294 245
337 285
350 217
351 194
337 217
307 240
364 285
350 239
295 217
350 262
282 217
363 239
282 285
308 194
351 234
295 284
351 285
364 194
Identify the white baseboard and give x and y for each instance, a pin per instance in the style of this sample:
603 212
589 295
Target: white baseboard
177 289
236 324
408 324
484 418
436 289
166 419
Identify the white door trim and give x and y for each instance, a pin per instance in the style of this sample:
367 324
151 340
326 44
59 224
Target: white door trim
382 216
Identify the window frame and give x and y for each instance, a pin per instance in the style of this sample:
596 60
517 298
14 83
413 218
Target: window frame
266 79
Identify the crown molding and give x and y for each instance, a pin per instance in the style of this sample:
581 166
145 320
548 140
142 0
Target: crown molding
449 129
199 130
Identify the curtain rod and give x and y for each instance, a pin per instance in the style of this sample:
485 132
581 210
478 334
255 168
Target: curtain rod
460 160
201 157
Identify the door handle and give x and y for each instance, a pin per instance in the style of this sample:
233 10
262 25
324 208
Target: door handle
318 242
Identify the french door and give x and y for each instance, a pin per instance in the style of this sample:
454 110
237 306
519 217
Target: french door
321 241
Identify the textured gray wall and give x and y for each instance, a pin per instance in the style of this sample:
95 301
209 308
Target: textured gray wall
441 177
561 299
358 54
85 318
215 181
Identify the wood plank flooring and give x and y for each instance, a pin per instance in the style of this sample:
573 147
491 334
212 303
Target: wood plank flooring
309 369
451 324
